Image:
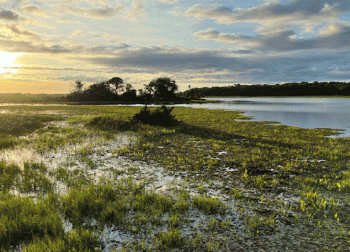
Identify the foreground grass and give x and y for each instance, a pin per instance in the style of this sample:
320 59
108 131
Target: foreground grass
245 185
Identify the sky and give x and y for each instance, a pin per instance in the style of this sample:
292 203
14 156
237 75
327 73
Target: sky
47 45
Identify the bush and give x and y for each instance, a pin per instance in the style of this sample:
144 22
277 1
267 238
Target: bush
160 116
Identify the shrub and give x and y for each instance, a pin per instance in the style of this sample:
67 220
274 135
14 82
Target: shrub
160 116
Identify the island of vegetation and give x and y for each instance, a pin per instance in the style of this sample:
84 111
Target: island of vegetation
159 90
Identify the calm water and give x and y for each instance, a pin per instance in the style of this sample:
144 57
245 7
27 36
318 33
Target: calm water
300 112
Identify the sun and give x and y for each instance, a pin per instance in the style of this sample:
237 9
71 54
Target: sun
8 62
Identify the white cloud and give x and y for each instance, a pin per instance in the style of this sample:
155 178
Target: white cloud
138 10
33 10
332 37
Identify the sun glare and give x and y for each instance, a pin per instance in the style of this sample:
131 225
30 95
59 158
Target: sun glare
8 62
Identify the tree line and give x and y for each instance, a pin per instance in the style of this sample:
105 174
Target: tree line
115 90
287 89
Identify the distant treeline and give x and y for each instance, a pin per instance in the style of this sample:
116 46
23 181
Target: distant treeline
287 89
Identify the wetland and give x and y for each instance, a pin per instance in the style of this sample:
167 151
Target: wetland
90 178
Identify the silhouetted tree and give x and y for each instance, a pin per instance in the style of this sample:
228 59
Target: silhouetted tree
162 89
117 83
79 86
129 93
99 92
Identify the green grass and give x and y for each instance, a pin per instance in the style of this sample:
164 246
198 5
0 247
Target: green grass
23 220
14 125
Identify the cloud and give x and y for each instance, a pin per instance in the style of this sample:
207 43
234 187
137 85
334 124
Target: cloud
228 38
167 59
304 13
11 45
221 66
138 10
82 78
224 66
26 44
82 35
332 37
9 15
15 30
33 10
167 1
100 13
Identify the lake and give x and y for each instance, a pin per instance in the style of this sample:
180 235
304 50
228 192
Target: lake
300 112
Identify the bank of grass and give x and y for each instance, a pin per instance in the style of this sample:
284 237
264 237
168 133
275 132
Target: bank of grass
287 188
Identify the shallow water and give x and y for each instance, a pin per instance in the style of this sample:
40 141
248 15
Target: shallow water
307 113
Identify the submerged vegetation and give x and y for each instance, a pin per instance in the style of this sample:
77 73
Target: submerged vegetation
102 178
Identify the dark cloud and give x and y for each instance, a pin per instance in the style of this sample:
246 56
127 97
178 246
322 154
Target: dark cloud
9 15
100 13
30 47
18 31
221 65
167 59
301 9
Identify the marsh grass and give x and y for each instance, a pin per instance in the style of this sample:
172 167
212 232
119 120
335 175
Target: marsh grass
22 220
77 240
8 175
33 179
110 123
267 160
14 125
249 185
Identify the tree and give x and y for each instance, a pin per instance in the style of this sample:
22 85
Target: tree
129 93
99 92
117 83
79 86
162 89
